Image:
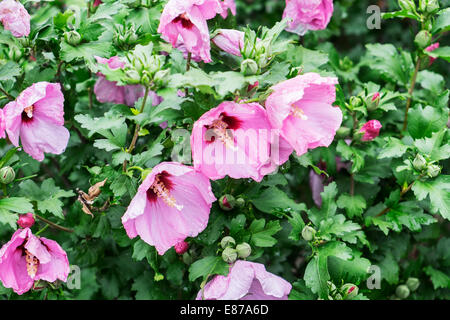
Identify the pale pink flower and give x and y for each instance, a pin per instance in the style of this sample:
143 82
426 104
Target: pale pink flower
307 15
15 18
246 281
236 139
431 48
228 4
26 220
109 91
301 109
2 125
371 130
27 258
172 203
37 117
230 41
186 19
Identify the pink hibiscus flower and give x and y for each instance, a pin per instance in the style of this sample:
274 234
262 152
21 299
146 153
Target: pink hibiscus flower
301 109
186 19
228 4
230 41
37 117
371 130
246 281
172 203
27 258
15 18
307 15
237 140
2 125
109 91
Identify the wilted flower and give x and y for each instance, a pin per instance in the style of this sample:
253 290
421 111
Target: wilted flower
307 15
172 203
301 109
371 130
236 139
246 281
15 18
186 19
27 258
37 117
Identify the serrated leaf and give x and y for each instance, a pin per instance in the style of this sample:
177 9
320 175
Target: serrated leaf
439 192
208 266
353 205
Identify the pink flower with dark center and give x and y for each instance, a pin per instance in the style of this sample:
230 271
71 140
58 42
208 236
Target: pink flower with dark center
37 117
246 281
236 139
15 18
172 203
307 15
108 91
301 109
186 19
26 220
230 41
431 48
181 247
27 258
371 130
228 4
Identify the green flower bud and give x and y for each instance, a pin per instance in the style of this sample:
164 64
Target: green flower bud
407 5
72 37
338 296
413 284
355 101
249 67
402 291
433 170
162 77
308 233
227 202
373 101
343 132
145 79
227 242
331 286
419 162
240 202
349 290
243 250
7 175
229 255
423 39
429 6
15 54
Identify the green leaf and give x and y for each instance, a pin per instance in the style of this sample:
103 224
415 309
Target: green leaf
297 223
441 52
424 122
394 148
9 70
389 269
272 199
438 278
301 292
262 233
437 147
351 154
123 184
442 22
16 204
353 205
85 51
439 192
329 205
351 271
206 267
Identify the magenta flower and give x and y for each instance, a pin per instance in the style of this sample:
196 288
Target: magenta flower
37 117
371 130
27 258
307 15
246 281
15 18
301 109
26 220
230 41
181 247
110 91
228 4
431 48
237 140
172 203
186 19
97 3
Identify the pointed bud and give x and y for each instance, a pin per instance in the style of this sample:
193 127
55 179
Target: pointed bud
371 130
249 67
181 247
423 39
227 242
308 233
229 255
419 162
227 202
7 175
26 220
355 101
429 6
402 291
240 202
349 290
243 250
433 170
373 101
413 284
72 37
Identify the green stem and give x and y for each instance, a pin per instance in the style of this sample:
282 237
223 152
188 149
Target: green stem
410 92
5 192
10 97
52 224
42 230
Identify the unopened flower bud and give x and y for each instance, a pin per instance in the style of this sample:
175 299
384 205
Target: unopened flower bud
419 162
373 101
7 175
229 255
72 37
402 291
355 101
433 170
423 39
331 286
343 132
26 220
249 67
429 6
227 242
413 284
227 202
240 202
243 250
308 233
181 247
350 290
162 77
